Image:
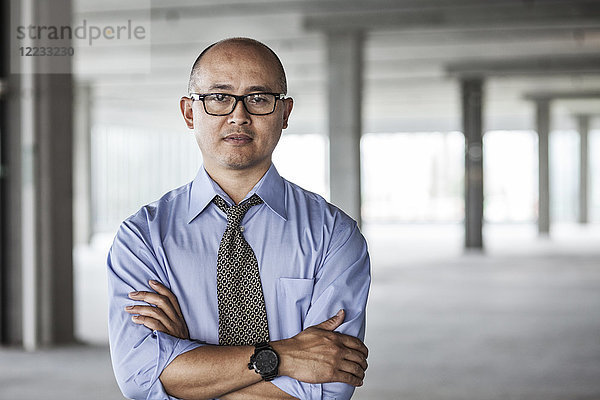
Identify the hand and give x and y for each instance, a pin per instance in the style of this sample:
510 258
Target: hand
319 355
165 317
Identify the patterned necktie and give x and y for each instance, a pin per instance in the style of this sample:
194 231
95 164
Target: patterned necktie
242 311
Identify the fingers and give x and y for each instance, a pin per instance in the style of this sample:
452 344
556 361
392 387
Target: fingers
151 312
354 343
346 377
353 369
353 361
333 322
148 322
162 289
356 357
166 316
159 300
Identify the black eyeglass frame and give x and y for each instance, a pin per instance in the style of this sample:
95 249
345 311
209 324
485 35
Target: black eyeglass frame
200 97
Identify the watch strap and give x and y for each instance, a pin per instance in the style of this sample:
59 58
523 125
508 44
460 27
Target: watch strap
262 345
258 347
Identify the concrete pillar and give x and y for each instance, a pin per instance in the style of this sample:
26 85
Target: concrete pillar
344 73
55 207
54 131
82 166
583 123
40 301
472 105
4 117
11 270
543 130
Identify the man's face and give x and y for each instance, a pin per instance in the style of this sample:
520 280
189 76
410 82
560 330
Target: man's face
238 141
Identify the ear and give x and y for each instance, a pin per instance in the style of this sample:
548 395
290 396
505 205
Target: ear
186 110
288 104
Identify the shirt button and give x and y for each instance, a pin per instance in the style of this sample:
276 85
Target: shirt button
242 229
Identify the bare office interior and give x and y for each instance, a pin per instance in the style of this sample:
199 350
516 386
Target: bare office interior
462 135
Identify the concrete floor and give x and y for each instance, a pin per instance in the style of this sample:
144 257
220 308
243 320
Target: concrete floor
519 321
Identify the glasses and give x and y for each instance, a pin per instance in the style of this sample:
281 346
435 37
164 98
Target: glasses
220 104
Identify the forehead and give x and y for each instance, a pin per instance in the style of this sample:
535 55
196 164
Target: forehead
240 67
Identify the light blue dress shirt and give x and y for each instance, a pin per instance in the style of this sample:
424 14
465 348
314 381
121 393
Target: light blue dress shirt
312 258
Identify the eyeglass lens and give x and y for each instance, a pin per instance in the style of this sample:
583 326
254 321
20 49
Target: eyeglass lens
259 103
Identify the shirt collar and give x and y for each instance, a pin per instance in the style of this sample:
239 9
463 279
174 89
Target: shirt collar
270 188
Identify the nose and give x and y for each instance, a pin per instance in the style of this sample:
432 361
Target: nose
239 115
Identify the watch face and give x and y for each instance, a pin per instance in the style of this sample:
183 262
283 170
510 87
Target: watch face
266 361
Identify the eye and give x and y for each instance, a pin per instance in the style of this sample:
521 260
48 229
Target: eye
258 99
220 97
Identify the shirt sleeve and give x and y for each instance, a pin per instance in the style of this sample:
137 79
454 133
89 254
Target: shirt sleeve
138 354
342 282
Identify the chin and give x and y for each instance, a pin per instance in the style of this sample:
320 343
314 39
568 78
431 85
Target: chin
242 164
239 164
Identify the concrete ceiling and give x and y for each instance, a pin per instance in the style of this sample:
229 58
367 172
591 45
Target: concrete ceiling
411 48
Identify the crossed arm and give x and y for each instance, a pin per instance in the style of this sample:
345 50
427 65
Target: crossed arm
315 355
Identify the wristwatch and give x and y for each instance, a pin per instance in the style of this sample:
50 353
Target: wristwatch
264 361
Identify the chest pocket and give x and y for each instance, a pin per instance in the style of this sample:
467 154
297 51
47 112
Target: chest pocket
294 296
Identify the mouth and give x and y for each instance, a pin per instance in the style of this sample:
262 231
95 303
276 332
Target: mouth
237 138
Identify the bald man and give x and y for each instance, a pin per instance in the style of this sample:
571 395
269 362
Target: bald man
240 284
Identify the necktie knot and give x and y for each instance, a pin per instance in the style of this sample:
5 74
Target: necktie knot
236 213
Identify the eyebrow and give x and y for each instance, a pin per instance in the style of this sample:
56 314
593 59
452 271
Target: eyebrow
222 86
225 86
258 89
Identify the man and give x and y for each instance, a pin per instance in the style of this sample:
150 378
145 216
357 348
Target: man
245 313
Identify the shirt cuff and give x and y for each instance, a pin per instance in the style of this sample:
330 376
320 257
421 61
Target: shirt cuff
168 348
337 391
301 390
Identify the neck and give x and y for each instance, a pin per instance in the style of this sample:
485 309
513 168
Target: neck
236 183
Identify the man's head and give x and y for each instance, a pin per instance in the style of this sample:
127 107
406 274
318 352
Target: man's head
277 62
239 140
